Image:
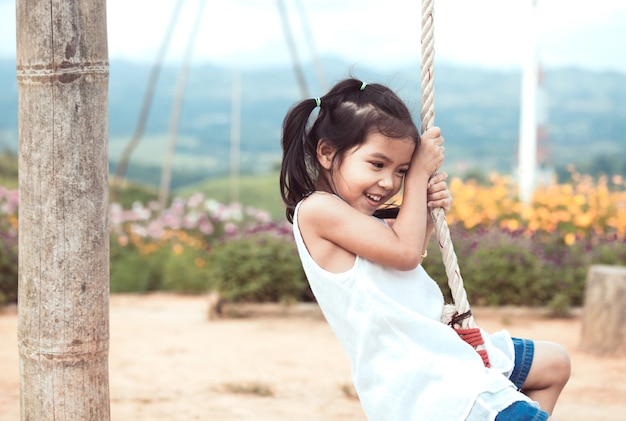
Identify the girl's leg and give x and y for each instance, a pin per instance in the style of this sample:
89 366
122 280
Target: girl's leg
549 372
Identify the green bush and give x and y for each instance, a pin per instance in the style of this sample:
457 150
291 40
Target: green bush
497 269
184 270
8 237
130 271
566 267
261 267
8 169
198 245
8 268
506 268
609 252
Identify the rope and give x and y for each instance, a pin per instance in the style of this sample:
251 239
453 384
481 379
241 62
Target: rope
428 118
465 324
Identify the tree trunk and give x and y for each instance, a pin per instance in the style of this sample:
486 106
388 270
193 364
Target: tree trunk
63 302
604 315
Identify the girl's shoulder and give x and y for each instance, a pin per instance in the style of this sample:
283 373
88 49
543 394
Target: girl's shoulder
322 219
319 203
322 210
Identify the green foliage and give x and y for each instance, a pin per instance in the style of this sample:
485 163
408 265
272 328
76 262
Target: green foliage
607 253
504 268
258 268
8 246
184 270
133 272
566 268
8 169
132 192
8 267
596 165
200 245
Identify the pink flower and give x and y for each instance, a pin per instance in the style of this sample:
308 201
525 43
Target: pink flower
206 227
230 228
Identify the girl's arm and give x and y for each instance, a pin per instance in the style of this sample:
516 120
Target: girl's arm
325 218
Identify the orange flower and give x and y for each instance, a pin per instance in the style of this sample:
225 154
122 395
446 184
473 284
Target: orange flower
178 249
569 239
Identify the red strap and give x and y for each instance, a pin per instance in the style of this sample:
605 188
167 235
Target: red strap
474 337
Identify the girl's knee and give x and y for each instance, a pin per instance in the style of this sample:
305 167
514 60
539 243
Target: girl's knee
548 375
561 362
552 363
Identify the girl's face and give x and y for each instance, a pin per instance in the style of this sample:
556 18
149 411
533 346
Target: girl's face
372 173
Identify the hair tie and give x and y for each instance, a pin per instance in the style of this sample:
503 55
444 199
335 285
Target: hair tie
363 85
318 102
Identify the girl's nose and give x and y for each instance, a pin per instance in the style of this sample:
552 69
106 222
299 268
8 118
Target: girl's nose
386 181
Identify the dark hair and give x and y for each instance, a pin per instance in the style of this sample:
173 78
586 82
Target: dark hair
348 112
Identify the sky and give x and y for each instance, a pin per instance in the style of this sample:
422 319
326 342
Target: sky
383 34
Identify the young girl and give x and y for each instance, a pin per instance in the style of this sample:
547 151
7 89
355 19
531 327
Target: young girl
365 272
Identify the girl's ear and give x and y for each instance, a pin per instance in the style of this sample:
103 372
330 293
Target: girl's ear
325 153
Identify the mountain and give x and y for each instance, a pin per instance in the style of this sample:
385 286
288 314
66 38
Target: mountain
477 108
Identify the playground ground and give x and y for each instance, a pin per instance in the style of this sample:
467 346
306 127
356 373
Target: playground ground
168 362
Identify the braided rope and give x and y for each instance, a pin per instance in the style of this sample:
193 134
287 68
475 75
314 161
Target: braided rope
453 272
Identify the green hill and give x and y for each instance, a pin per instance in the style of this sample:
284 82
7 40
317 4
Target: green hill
477 108
258 191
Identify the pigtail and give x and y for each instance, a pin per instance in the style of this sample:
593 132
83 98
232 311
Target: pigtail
295 178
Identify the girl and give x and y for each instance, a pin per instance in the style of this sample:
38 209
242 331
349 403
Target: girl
357 154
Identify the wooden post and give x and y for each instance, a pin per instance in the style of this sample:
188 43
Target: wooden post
604 314
63 302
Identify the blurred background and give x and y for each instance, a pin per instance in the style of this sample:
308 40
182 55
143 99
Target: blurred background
240 71
212 81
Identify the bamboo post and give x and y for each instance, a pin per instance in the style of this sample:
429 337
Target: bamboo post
63 302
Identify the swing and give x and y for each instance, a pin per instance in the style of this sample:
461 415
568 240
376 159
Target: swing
457 315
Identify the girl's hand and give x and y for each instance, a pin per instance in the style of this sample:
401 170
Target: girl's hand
437 194
428 155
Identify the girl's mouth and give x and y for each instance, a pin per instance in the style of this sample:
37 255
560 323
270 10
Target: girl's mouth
375 198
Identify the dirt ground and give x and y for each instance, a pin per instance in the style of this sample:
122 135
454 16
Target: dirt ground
167 361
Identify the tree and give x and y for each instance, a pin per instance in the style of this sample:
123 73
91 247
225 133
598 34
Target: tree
63 298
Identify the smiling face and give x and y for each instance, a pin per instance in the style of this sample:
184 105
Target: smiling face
369 174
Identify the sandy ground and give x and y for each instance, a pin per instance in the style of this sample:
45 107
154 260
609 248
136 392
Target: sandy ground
168 362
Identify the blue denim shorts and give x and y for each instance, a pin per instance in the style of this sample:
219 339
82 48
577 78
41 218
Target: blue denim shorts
524 354
522 410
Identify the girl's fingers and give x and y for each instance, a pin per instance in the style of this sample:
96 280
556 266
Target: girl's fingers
445 204
440 186
438 177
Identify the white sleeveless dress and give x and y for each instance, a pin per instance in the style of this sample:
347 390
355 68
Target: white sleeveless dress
406 364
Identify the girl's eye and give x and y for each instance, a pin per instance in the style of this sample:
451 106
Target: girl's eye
377 164
402 172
